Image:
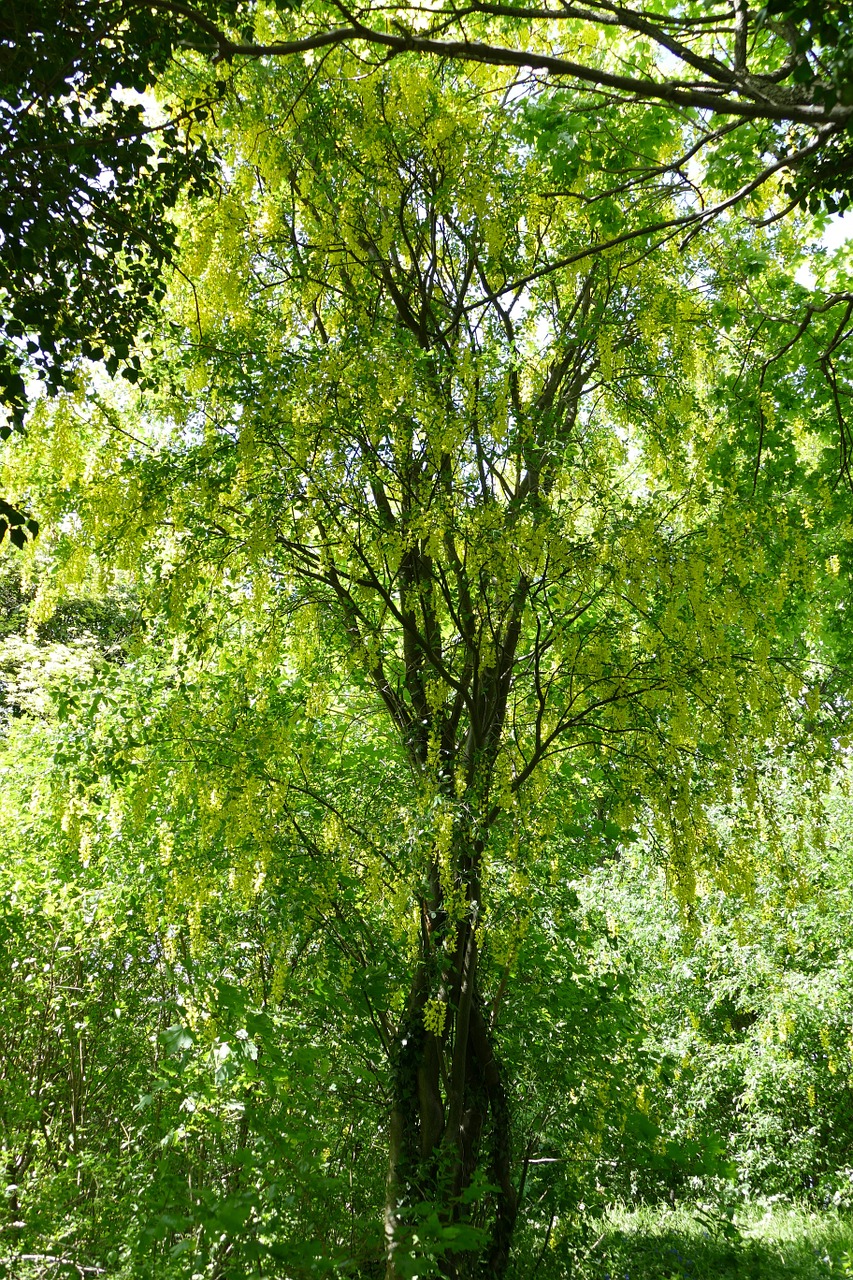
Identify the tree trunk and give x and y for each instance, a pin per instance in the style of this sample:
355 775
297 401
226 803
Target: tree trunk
450 1128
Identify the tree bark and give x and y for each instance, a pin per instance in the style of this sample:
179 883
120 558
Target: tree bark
450 1122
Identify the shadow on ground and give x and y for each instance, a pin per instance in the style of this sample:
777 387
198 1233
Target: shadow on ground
676 1246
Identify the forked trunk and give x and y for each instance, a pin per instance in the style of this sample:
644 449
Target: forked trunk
450 1193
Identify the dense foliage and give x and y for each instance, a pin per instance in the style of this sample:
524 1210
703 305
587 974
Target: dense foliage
88 180
195 1076
86 185
423 709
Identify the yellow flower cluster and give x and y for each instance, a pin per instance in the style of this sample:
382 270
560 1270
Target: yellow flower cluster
435 1016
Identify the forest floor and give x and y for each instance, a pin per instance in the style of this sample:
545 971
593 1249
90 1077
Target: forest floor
775 1242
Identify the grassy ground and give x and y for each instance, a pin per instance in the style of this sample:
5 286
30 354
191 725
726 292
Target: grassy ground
776 1242
773 1243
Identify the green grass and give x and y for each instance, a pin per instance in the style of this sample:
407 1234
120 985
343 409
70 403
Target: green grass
778 1242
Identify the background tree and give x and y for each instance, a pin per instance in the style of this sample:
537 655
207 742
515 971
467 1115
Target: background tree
87 183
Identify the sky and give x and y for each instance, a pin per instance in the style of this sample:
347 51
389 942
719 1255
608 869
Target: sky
839 231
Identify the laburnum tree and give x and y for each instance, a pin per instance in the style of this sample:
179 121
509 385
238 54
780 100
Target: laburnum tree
505 492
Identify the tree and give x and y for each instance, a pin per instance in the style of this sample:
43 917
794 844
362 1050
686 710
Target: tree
87 183
499 495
